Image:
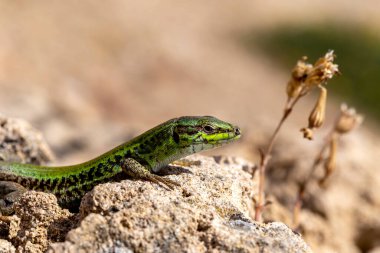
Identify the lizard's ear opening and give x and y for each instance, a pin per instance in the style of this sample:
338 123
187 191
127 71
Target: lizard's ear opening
176 137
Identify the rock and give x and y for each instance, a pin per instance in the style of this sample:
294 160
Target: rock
20 142
225 187
375 250
210 213
6 247
40 221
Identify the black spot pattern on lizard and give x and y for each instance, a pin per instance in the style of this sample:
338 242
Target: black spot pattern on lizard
73 179
56 184
176 137
88 187
143 148
69 194
118 159
91 174
40 184
98 171
34 183
63 182
150 157
24 182
58 195
83 177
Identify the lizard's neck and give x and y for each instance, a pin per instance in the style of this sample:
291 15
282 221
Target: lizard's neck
155 148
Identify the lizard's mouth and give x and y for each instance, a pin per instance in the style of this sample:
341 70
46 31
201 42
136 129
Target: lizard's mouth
220 138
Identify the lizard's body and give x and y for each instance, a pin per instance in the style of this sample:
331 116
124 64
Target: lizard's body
138 158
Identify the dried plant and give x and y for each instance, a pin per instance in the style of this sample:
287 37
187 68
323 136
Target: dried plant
345 122
304 78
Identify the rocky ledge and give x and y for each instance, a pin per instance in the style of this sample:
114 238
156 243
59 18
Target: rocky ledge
209 213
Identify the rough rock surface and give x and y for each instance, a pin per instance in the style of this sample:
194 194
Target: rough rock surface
6 247
39 221
209 213
19 141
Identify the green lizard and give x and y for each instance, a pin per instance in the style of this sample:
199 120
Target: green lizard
139 158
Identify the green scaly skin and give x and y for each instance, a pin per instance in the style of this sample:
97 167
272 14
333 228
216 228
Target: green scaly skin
140 158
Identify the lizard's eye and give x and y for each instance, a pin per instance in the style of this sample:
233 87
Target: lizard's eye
208 129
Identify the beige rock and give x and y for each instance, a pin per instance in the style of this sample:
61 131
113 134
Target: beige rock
209 214
6 247
41 221
375 250
19 141
38 219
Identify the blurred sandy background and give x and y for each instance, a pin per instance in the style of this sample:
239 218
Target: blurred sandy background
92 74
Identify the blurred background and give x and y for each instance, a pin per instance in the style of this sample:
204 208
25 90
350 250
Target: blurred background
92 74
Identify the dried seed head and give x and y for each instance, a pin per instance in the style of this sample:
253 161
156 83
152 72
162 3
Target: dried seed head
317 115
323 70
307 133
348 120
299 74
330 163
306 76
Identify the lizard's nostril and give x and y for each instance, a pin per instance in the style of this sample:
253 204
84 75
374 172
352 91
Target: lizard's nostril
237 131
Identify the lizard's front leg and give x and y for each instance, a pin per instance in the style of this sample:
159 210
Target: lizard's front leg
10 192
136 170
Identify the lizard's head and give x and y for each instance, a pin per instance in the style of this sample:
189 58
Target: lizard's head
202 133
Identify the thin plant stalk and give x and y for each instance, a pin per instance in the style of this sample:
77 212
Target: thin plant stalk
345 122
303 186
304 77
265 156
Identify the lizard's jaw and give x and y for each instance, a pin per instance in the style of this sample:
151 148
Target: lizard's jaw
210 141
219 138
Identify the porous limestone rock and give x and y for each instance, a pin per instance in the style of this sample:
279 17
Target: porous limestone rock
39 222
209 213
19 141
6 247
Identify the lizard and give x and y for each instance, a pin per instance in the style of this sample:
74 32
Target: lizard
140 158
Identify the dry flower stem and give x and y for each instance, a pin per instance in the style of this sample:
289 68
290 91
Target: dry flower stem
302 188
330 163
304 78
345 122
265 156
